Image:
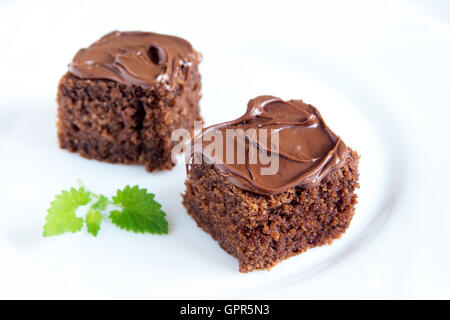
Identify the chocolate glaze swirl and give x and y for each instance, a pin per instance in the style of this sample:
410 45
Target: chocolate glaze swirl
308 150
139 58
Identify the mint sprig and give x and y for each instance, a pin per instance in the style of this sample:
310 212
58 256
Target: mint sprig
133 209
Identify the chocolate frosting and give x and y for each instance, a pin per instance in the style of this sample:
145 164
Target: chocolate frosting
139 58
308 150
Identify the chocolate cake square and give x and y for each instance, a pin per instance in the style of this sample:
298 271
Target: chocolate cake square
263 219
124 95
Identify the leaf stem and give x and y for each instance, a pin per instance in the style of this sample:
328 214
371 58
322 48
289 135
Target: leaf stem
95 196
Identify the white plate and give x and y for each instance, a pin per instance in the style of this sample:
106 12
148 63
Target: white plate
187 263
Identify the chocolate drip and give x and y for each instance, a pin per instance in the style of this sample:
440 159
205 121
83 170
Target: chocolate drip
308 150
139 58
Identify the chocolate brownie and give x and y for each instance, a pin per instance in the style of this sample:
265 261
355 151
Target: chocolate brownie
124 95
262 219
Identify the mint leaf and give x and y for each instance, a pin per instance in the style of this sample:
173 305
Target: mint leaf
93 220
61 215
139 212
101 204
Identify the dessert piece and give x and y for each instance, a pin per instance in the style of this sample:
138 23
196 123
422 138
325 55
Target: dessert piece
262 218
124 95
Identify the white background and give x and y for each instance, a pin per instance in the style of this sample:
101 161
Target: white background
393 55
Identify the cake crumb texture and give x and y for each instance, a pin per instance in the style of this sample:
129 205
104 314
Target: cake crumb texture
262 230
112 122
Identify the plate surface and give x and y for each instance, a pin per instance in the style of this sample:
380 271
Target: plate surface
359 104
186 261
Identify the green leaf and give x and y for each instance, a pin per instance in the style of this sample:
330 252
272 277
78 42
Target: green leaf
93 220
61 215
101 204
140 213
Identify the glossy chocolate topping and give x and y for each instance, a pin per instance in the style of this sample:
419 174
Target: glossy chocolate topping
308 150
139 58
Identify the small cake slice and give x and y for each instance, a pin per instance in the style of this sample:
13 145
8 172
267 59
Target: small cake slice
124 95
262 218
